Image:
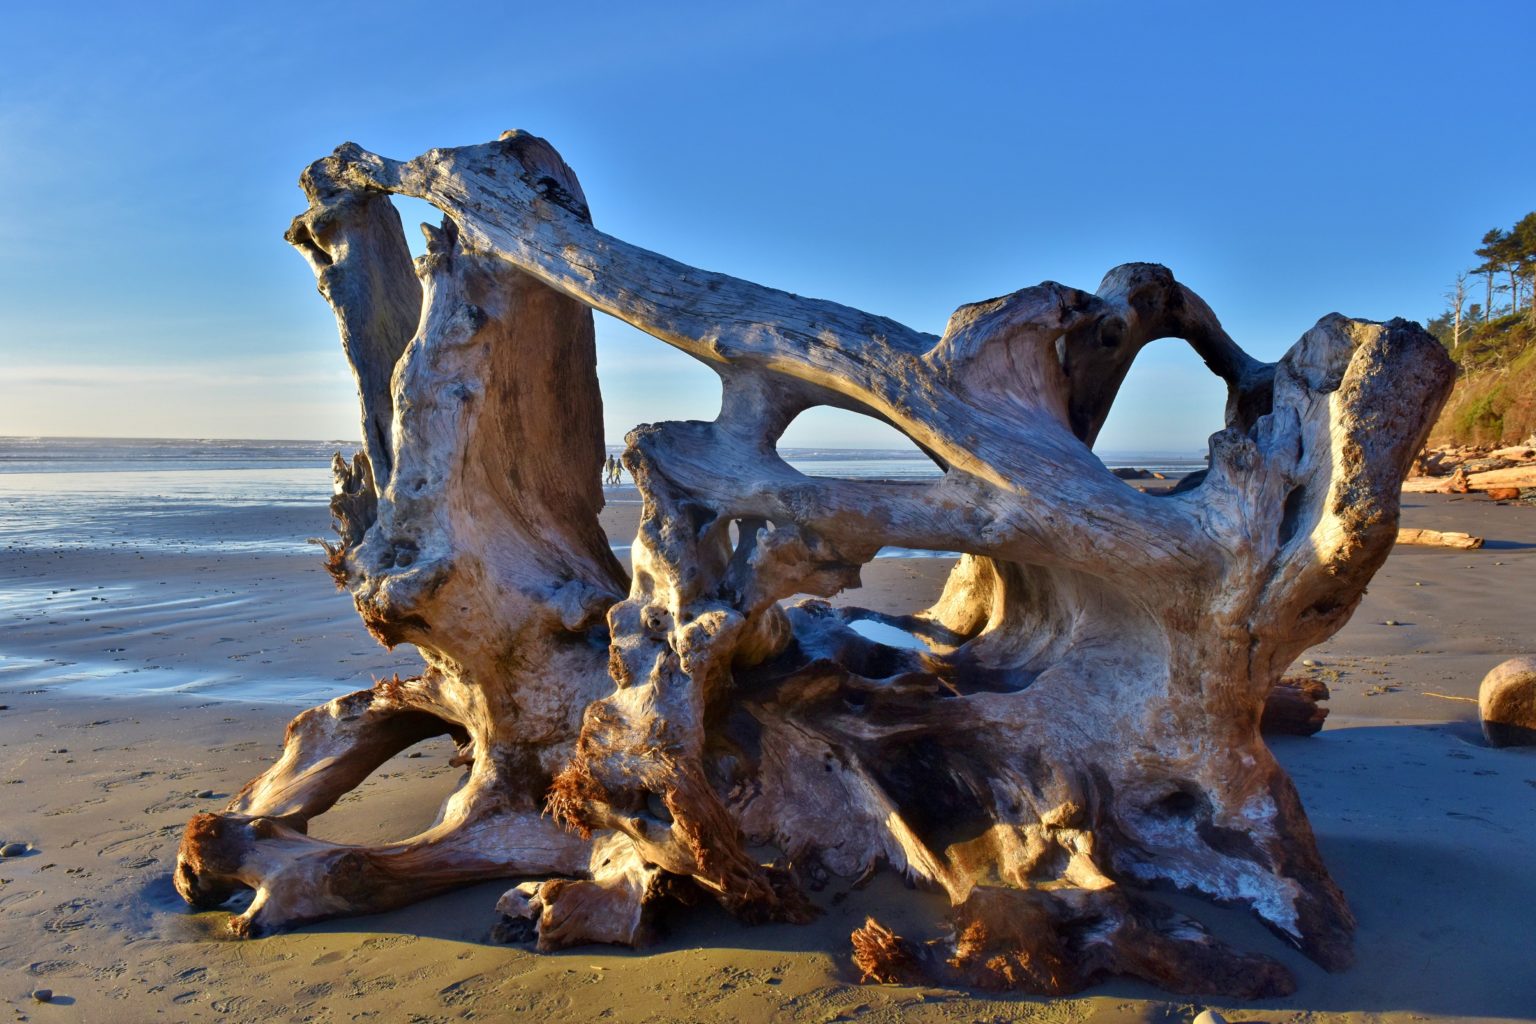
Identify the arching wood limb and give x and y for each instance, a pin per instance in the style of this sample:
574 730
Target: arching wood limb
297 879
331 749
1084 720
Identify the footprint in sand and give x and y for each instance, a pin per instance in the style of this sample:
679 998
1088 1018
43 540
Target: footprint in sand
175 802
230 1006
125 780
190 976
67 916
149 840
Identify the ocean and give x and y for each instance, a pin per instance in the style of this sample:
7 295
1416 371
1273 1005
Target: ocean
186 567
75 493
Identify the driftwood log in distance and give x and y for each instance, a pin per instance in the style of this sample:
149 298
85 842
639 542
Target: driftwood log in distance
1463 482
1439 539
1082 725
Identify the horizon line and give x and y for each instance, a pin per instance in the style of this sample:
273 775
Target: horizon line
607 444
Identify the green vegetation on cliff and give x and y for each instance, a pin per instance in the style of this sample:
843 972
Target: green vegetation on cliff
1493 343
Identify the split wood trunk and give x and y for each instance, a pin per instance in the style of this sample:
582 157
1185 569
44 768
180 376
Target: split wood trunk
1082 725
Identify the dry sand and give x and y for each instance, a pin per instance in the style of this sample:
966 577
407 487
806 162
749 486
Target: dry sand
1429 832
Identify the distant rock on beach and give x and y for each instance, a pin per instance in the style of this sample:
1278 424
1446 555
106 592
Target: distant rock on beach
1506 702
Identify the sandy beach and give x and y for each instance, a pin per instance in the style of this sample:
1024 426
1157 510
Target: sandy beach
143 684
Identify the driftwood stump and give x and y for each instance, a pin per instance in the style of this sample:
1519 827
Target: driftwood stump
1083 726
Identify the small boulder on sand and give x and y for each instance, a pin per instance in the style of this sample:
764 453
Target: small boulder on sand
1506 702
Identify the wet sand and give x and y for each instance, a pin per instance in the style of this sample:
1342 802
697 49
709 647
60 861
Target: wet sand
166 674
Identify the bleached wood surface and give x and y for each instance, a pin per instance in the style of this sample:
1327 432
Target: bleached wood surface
1083 724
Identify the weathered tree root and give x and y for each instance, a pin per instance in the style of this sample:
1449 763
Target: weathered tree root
1084 721
1055 944
298 879
259 840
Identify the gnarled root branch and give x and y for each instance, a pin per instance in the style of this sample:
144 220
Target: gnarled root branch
614 904
298 879
259 842
1057 942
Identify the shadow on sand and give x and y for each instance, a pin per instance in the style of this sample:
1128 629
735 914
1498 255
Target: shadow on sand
1428 831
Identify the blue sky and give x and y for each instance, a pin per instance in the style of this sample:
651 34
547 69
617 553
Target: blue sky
1286 160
